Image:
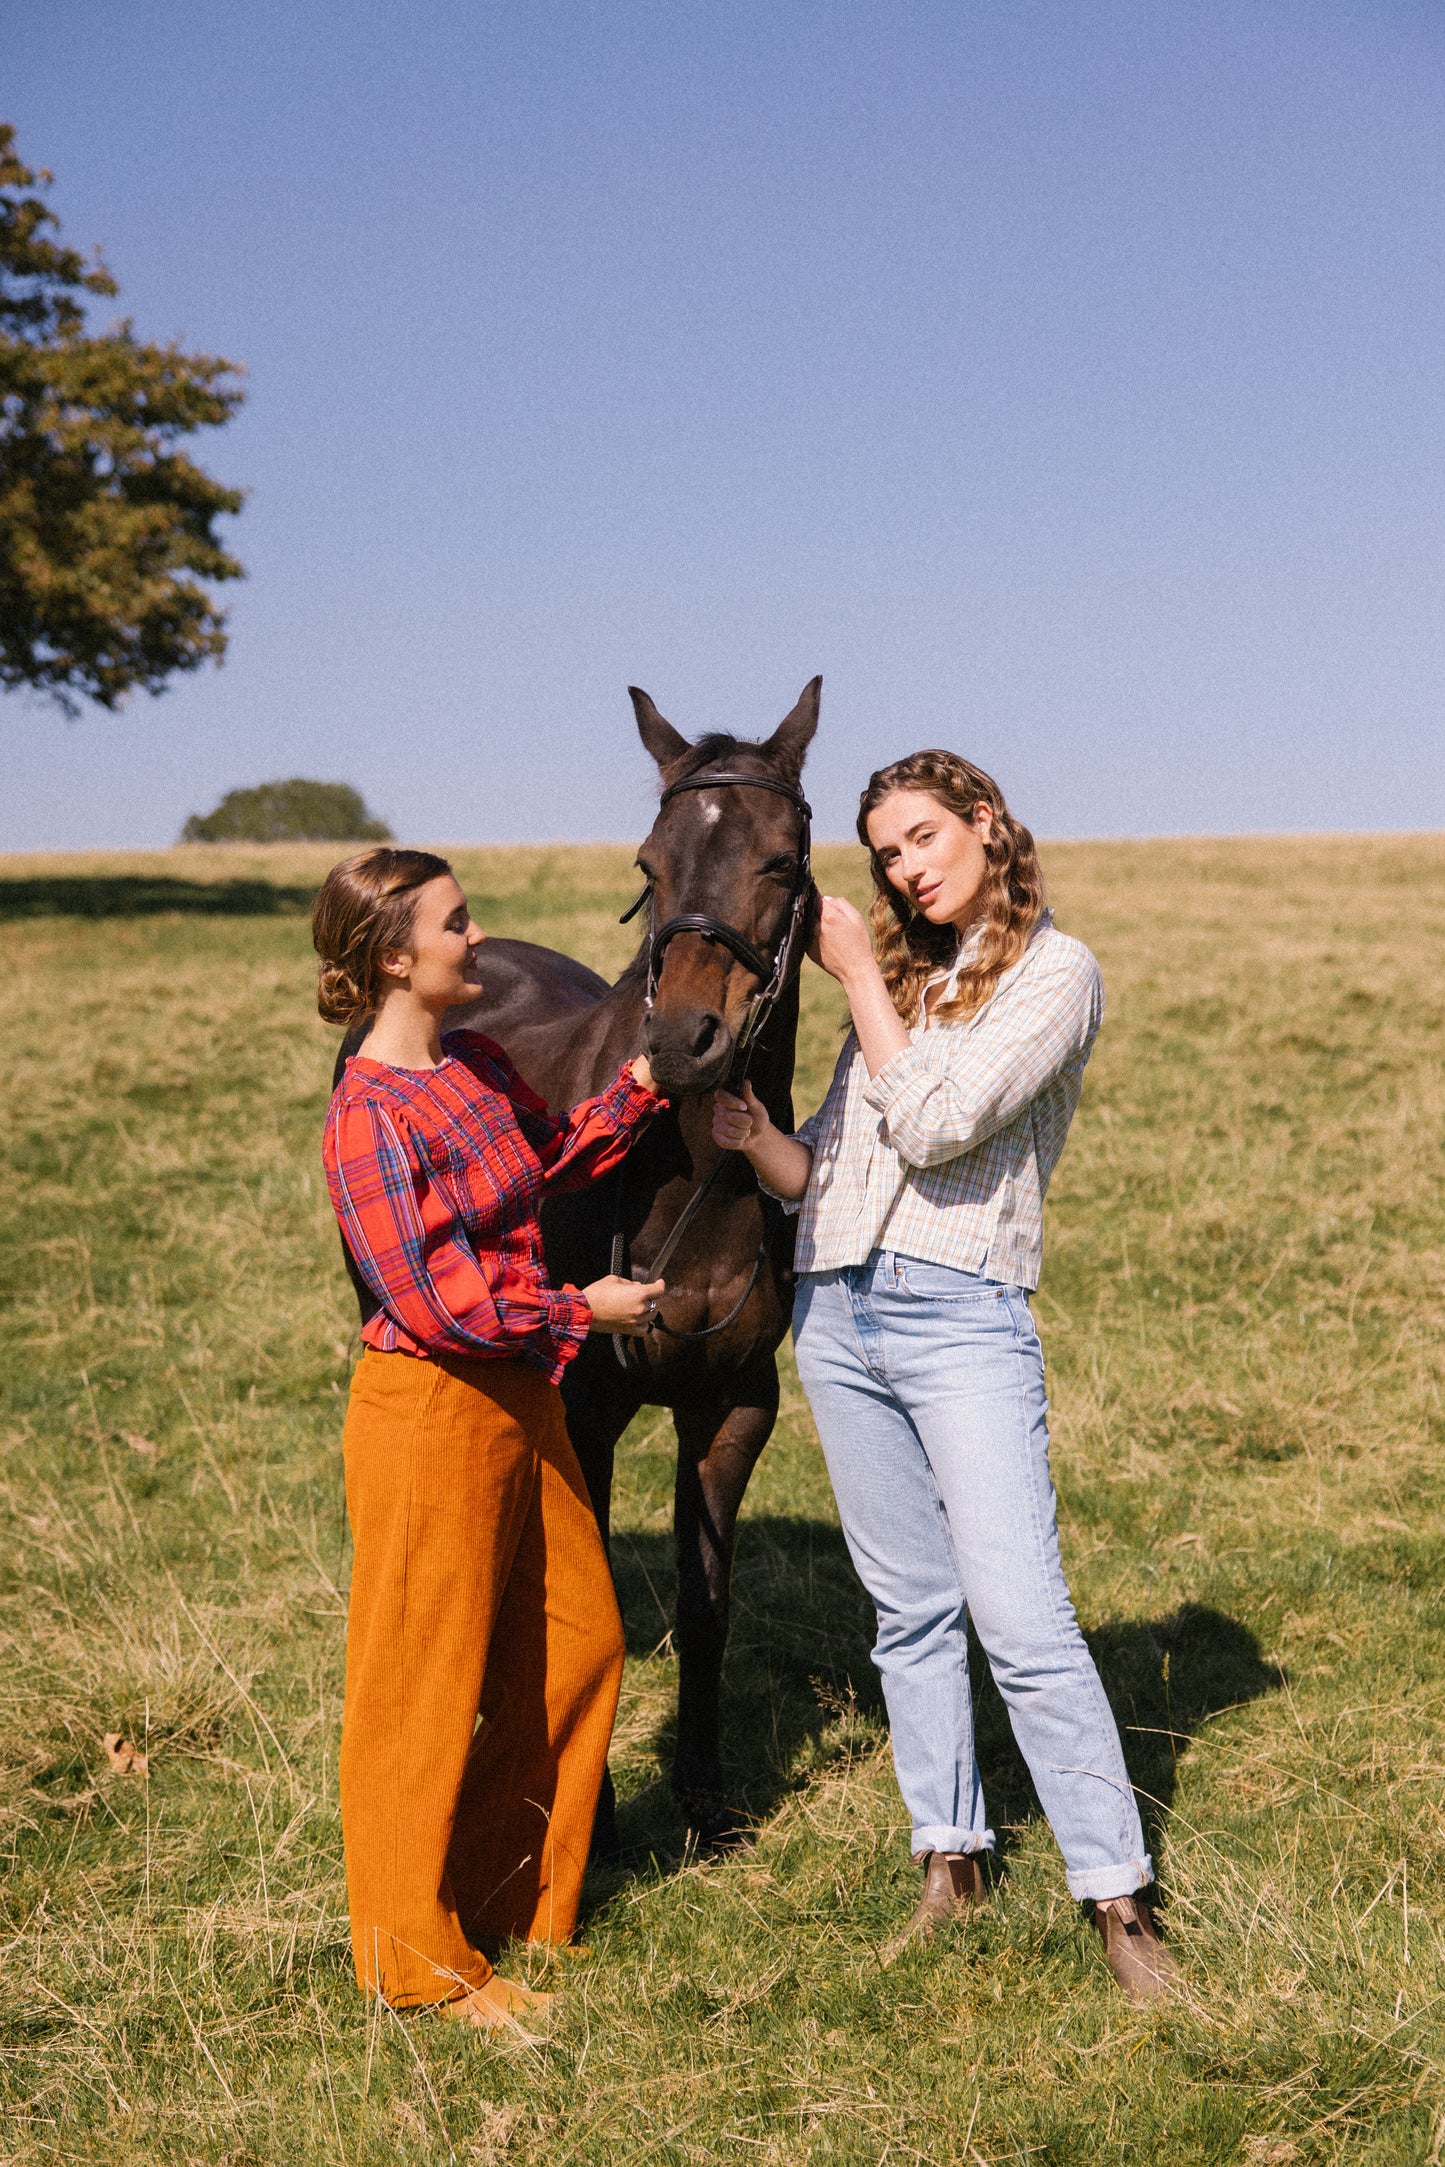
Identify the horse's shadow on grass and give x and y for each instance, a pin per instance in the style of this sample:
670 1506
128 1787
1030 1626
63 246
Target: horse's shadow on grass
798 1657
141 895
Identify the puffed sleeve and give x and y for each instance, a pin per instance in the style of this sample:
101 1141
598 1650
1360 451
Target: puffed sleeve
406 1235
578 1147
944 1095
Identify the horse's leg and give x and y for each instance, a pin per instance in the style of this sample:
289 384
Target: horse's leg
718 1445
599 1405
600 1398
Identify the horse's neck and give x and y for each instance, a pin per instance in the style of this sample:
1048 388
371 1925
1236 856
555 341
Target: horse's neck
771 1069
571 1055
613 1031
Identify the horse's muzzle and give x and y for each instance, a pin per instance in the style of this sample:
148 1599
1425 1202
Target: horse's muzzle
690 1049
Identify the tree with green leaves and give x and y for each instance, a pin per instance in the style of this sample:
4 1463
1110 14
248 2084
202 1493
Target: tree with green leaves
288 812
106 527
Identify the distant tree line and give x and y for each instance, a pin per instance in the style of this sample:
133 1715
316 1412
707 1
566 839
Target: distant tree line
288 812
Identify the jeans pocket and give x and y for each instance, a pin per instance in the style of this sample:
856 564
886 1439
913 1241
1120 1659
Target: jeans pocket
943 1283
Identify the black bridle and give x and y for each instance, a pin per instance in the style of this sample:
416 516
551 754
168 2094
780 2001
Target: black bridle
772 977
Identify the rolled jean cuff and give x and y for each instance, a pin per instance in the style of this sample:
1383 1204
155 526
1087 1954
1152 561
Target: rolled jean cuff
1104 1881
939 1838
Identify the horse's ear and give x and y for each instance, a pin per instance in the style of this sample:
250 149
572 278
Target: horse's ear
664 743
790 741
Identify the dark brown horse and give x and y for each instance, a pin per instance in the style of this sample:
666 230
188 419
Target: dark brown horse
730 862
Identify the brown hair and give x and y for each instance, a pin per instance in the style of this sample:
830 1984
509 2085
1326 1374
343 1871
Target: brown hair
910 950
365 907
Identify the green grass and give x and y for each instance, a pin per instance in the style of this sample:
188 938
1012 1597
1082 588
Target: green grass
1242 1311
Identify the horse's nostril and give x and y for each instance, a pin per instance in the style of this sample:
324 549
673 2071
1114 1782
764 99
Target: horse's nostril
707 1031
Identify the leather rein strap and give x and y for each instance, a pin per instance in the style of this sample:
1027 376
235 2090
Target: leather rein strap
772 978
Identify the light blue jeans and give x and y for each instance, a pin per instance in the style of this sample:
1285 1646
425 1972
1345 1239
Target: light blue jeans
927 1386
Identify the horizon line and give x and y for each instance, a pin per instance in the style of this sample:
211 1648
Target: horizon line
824 842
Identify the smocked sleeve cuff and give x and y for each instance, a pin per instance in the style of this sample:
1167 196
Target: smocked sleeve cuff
630 1104
570 1319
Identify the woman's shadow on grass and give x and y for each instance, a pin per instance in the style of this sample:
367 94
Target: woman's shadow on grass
798 1657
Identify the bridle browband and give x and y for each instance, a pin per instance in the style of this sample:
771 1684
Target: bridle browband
772 975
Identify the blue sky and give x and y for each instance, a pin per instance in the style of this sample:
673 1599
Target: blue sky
1063 381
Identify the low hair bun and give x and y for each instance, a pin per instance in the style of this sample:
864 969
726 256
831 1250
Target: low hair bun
339 999
363 908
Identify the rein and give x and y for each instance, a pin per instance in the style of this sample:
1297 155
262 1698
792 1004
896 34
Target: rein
772 978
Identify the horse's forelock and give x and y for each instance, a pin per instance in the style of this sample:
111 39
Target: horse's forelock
717 747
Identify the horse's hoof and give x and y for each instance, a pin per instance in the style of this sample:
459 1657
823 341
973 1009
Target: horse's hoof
713 1828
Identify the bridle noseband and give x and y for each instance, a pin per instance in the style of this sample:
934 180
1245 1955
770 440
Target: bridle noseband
771 976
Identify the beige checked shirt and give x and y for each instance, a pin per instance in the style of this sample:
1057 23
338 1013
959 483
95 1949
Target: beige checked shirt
946 1153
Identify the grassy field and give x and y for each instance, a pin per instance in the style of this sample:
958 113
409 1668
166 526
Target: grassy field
1242 1311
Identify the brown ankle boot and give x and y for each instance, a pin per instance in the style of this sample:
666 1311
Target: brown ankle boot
950 1886
1132 1949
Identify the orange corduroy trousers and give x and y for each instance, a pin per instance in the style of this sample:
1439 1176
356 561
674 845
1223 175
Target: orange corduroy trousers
483 1659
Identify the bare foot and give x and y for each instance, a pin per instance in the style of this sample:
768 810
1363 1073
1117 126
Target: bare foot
499 2006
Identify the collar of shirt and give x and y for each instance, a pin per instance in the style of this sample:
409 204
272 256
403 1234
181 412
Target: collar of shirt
968 948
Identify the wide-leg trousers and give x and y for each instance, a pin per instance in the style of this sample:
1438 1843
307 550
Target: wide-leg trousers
483 1660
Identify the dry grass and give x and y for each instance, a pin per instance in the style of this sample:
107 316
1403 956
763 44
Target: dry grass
1242 1310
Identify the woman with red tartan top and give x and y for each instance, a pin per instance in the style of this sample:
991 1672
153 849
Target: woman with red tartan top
479 1585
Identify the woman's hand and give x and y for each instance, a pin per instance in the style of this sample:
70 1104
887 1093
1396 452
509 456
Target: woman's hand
841 941
642 1073
623 1305
744 1124
738 1122
844 947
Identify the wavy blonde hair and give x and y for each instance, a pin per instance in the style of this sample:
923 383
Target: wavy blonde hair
909 949
365 907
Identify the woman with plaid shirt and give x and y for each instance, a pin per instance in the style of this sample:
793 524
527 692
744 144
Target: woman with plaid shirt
484 1648
921 1180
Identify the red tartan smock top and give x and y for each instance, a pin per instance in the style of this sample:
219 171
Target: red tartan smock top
437 1176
